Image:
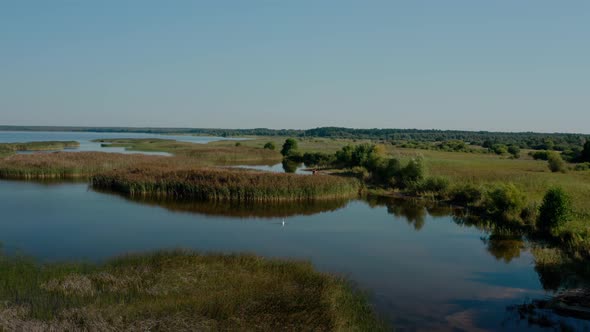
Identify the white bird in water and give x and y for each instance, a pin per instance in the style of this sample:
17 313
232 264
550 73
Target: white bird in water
283 222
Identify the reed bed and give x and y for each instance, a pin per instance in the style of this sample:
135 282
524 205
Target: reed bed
225 185
66 165
10 148
211 154
178 291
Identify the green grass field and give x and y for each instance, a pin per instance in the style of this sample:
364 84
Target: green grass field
178 291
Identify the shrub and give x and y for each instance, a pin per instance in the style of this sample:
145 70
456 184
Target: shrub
466 194
555 210
344 156
435 184
582 167
361 173
411 174
318 159
499 149
556 163
586 152
289 147
269 146
529 214
505 201
514 150
540 155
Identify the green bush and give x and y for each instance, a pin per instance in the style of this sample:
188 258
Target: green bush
504 201
555 210
514 150
289 147
411 174
556 163
361 173
499 149
586 152
318 159
269 146
582 167
530 213
466 194
540 155
434 184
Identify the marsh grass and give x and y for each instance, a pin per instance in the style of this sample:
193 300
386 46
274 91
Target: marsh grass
225 185
207 154
64 165
178 291
7 149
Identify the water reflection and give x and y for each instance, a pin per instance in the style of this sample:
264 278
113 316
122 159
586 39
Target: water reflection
504 248
290 166
270 210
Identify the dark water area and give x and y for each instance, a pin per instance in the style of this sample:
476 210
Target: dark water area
85 139
422 266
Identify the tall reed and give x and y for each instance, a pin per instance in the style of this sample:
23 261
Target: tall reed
225 185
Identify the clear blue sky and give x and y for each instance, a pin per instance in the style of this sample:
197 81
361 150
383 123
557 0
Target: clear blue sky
491 65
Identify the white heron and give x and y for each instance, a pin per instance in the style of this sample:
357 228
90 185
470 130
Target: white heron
283 222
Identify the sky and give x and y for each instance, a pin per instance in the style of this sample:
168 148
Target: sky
499 65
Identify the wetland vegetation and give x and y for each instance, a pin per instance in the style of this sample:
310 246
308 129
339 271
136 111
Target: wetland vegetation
11 148
226 185
178 291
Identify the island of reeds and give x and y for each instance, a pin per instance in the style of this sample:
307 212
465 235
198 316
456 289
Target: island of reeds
178 291
10 148
225 185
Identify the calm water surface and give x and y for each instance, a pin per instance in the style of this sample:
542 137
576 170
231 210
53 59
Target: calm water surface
85 139
422 270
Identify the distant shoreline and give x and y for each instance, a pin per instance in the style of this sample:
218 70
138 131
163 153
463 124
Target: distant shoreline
315 132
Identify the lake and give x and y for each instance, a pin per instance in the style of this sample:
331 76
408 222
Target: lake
85 139
422 266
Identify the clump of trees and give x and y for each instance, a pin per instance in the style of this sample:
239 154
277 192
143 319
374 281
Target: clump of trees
539 155
504 201
289 147
585 155
555 211
269 146
556 163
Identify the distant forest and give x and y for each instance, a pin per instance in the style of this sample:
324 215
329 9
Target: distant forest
525 140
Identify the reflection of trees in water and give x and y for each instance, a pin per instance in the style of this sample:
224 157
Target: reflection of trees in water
556 270
290 166
504 248
414 214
